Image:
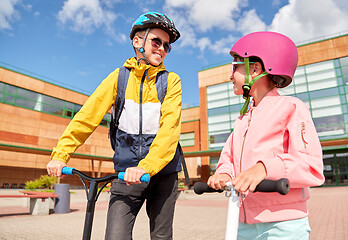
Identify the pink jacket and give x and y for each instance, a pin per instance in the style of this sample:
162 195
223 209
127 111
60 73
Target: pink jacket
280 133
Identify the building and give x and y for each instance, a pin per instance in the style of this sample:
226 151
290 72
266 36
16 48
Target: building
35 112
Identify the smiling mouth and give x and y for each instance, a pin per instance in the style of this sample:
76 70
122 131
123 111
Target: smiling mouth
158 55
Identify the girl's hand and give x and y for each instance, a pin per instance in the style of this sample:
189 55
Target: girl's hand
249 179
218 181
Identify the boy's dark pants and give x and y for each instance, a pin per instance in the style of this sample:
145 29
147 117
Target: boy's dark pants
125 202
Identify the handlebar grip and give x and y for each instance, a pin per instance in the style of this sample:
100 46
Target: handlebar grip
67 171
144 178
281 186
200 188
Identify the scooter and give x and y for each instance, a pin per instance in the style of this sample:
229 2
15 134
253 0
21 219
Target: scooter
93 193
234 200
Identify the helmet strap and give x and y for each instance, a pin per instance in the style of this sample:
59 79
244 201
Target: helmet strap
247 86
142 49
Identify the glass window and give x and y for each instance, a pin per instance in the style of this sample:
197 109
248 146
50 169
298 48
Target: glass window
9 99
323 93
326 111
217 111
323 75
26 94
330 123
217 96
39 102
218 138
217 88
301 88
303 96
213 162
322 84
317 67
325 102
299 79
52 109
219 126
344 61
187 139
218 118
53 101
10 89
219 103
300 71
21 102
106 119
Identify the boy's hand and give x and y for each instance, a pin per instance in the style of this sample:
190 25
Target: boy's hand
249 179
133 174
218 181
54 168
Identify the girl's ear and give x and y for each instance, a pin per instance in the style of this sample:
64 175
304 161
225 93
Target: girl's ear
257 68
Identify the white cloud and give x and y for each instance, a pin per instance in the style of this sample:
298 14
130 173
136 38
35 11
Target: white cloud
250 22
8 13
195 18
203 16
306 20
87 16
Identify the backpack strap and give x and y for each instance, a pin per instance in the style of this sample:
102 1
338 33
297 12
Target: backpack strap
117 108
161 85
123 76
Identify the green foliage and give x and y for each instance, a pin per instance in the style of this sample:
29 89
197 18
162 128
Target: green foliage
182 184
43 182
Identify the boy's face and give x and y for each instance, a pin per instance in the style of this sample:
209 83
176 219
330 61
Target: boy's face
155 53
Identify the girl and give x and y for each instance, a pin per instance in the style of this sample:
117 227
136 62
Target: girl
274 139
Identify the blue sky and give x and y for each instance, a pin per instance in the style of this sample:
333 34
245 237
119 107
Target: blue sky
77 43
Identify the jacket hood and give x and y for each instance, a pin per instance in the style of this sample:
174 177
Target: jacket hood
139 69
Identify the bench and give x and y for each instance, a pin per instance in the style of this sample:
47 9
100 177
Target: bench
38 203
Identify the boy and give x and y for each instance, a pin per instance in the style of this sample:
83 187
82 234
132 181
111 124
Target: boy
147 135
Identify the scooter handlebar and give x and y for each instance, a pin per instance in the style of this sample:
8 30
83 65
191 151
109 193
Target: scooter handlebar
281 186
71 171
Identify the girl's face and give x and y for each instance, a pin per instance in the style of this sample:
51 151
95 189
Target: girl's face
156 46
237 77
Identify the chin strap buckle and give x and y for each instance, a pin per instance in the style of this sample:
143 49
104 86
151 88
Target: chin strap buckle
246 91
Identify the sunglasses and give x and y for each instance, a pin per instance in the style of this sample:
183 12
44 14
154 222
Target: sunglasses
157 43
234 65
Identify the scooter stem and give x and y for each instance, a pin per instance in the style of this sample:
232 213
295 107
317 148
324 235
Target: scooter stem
232 212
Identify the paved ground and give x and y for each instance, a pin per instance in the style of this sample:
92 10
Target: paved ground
196 217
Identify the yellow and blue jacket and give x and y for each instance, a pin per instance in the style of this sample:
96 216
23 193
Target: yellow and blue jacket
148 131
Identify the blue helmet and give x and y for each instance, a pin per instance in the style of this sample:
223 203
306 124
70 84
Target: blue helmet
155 20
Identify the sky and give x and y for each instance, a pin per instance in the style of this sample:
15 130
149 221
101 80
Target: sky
77 43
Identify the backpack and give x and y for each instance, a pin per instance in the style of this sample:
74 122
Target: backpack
116 109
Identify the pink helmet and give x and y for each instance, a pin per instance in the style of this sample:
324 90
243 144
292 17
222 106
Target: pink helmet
278 53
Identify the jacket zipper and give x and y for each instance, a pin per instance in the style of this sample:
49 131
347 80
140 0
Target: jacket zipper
241 156
303 129
141 115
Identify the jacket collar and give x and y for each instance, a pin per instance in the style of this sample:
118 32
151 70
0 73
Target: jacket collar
139 69
272 93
